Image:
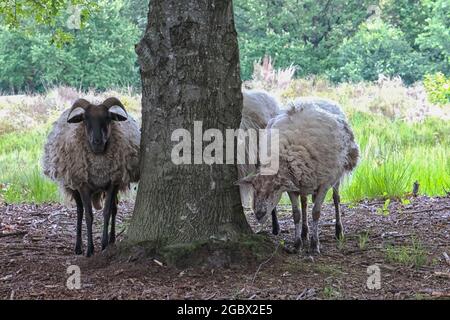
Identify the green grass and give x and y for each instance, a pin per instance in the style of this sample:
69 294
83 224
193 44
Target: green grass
330 292
363 239
408 255
21 179
394 154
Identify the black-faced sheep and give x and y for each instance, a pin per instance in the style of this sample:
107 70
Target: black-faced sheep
317 148
92 153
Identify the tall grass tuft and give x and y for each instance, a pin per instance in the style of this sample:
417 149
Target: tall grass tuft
21 179
395 154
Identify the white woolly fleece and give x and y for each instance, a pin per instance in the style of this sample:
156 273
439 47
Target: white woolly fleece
259 108
317 146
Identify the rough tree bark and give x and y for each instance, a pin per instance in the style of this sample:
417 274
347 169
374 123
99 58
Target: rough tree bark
190 72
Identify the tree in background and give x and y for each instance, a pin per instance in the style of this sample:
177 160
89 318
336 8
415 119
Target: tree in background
303 32
377 48
426 26
407 15
16 72
100 55
435 38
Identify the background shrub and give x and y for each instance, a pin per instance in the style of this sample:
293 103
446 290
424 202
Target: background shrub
438 88
377 48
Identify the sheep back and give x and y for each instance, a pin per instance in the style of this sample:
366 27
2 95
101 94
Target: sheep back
316 143
259 108
324 104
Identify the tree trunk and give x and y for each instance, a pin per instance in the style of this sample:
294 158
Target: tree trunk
189 62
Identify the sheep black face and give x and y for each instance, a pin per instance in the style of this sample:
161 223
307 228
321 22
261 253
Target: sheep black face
97 120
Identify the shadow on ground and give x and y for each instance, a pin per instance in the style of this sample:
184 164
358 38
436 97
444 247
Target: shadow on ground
410 244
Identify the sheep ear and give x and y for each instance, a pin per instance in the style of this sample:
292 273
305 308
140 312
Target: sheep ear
76 115
118 113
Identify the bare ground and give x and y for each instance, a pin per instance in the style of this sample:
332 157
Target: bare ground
36 247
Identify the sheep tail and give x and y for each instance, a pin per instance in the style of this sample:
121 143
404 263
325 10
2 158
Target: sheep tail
352 159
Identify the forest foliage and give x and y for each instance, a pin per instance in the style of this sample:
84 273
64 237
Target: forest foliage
342 40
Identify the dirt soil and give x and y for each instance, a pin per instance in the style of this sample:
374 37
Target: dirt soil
410 243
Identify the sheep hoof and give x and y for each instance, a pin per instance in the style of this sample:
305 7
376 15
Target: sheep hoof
305 233
339 236
90 252
305 239
291 250
104 242
298 244
276 231
314 247
339 232
78 250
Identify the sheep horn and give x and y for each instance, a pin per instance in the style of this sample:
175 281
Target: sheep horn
76 116
116 108
80 103
113 102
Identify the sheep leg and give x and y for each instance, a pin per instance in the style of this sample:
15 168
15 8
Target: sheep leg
305 228
112 235
110 198
337 201
86 197
314 240
79 202
275 224
293 196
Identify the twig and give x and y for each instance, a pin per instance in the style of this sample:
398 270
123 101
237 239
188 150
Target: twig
13 234
442 274
306 294
361 250
120 233
263 263
436 293
428 210
159 263
395 235
446 257
210 297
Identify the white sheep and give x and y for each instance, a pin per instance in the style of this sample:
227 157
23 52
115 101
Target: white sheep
317 148
259 107
92 153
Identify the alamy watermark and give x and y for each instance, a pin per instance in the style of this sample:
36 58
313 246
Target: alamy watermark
73 282
253 147
374 279
74 19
